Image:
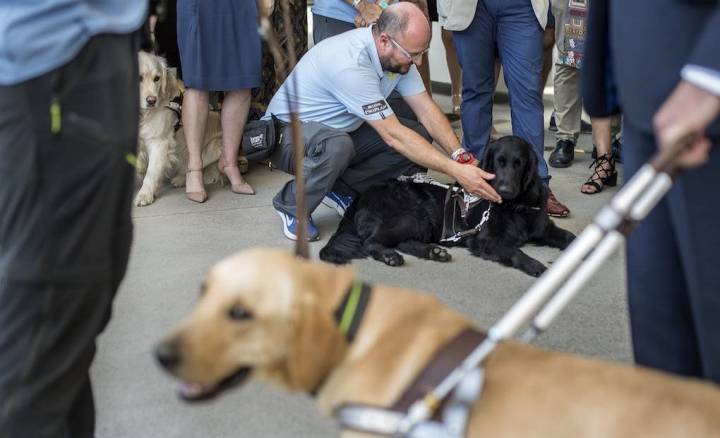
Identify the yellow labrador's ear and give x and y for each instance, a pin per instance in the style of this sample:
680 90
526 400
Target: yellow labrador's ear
315 344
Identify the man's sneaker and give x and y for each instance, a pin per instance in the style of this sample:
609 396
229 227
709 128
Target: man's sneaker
290 224
338 202
563 155
554 207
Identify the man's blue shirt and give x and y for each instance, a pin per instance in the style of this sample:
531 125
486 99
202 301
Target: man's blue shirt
337 9
37 36
341 83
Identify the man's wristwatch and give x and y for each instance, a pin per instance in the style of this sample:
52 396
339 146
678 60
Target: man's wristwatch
462 156
356 3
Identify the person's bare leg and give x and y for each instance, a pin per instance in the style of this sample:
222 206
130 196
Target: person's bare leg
605 167
548 44
454 70
194 118
233 117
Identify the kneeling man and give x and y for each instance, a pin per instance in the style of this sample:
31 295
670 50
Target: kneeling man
352 138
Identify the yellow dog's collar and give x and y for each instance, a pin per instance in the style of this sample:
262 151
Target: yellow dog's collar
352 308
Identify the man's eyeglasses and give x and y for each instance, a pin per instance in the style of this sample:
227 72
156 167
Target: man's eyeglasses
411 56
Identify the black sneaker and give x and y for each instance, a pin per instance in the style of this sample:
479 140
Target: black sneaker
563 155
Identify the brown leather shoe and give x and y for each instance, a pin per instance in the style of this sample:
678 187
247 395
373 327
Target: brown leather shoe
555 208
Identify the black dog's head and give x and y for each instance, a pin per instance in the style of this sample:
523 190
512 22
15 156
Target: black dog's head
514 164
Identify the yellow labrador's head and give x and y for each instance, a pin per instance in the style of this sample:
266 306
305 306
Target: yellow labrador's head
262 312
158 84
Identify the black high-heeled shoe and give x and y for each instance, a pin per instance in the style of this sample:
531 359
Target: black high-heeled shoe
597 180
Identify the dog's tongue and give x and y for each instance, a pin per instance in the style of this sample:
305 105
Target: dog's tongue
191 390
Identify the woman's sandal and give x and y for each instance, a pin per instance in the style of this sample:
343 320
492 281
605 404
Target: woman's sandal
602 175
243 188
200 196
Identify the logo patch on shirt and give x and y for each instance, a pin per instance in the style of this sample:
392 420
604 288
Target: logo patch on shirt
375 107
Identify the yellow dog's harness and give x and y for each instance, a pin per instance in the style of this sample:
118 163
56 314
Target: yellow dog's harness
450 414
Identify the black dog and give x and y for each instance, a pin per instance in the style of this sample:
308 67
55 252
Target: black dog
409 216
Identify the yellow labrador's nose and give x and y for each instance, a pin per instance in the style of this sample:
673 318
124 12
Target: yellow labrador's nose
151 100
167 354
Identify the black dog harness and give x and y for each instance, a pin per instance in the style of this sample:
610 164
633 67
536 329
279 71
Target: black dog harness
458 204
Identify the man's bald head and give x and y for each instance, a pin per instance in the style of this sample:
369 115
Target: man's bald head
404 20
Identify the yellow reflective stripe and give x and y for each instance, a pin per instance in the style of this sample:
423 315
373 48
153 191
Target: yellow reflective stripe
132 159
55 118
350 307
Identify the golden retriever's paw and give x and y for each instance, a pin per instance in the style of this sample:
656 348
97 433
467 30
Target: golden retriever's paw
178 180
144 197
211 176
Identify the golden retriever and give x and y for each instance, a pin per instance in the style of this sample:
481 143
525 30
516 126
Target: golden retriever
162 149
269 315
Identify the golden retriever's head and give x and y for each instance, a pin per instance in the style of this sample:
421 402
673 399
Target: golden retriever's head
262 312
158 84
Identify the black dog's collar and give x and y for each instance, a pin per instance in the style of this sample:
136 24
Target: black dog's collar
350 313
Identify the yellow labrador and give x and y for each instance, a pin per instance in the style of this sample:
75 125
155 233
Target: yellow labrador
269 315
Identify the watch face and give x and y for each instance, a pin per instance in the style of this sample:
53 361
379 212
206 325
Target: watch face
464 158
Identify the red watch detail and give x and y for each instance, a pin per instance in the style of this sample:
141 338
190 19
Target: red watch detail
465 158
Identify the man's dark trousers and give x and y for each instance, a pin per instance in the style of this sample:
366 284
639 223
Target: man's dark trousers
508 28
65 232
672 264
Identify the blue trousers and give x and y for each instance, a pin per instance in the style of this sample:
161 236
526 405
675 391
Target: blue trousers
672 268
512 28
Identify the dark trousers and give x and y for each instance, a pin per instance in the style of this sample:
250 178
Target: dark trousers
511 26
348 163
65 232
672 268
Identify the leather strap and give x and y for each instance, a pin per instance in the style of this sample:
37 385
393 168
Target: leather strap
446 359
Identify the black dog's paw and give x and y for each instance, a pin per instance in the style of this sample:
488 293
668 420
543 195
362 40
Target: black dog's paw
533 268
568 238
393 259
439 254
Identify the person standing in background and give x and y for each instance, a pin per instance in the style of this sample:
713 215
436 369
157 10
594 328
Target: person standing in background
671 91
515 28
68 123
220 50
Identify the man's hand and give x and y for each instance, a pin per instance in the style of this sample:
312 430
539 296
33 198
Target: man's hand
473 179
368 13
688 111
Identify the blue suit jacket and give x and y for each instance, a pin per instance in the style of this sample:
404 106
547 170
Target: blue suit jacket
648 42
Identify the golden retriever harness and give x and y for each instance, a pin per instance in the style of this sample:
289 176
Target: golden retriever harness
450 415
